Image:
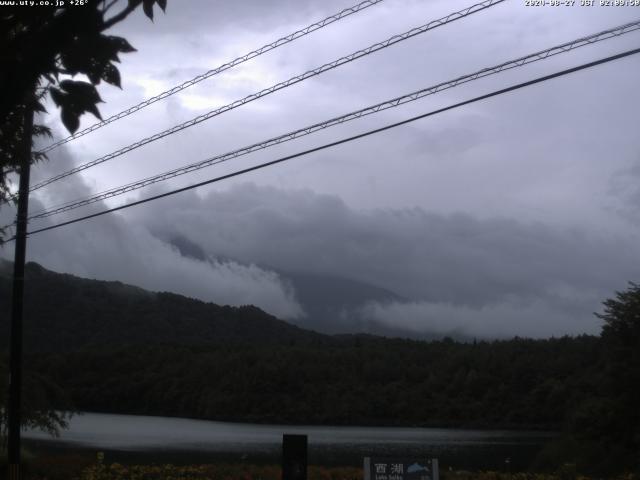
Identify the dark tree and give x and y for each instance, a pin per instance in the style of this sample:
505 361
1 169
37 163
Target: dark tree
621 343
622 319
41 393
42 50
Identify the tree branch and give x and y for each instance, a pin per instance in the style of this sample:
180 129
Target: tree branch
107 7
119 17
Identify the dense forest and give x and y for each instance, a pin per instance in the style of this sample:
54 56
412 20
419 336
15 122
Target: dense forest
108 347
520 383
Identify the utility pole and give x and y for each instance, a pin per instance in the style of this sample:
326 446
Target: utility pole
15 359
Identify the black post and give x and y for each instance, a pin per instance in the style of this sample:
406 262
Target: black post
294 457
15 361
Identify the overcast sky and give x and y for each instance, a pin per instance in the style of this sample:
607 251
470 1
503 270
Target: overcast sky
518 215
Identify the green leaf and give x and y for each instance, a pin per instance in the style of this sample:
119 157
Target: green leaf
94 76
38 107
91 55
82 92
111 75
106 49
94 110
147 6
70 119
77 57
42 131
122 44
57 96
39 156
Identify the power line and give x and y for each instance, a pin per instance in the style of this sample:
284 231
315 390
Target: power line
534 57
344 140
226 66
279 86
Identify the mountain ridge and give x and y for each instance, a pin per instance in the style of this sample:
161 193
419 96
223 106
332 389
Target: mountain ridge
333 304
67 312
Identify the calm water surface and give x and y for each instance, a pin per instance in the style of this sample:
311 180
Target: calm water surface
177 439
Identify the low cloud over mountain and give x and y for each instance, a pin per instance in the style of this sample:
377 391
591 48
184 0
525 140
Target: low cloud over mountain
313 259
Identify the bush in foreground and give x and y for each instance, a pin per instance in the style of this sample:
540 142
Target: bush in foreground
271 472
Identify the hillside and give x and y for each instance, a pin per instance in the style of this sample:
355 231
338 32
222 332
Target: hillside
64 312
110 347
165 354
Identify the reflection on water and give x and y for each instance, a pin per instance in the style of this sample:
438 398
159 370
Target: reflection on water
192 440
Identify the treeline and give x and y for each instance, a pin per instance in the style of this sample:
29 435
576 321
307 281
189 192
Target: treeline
585 387
353 380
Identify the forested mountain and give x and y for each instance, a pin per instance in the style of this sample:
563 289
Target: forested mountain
109 347
64 312
165 354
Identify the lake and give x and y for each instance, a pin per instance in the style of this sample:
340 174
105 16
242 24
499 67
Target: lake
147 439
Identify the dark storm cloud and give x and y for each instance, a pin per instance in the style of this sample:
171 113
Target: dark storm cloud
516 215
113 248
544 126
453 265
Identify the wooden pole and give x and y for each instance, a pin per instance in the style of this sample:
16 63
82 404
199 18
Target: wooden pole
294 457
15 359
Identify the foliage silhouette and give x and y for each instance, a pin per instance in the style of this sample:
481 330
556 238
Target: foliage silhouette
42 49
